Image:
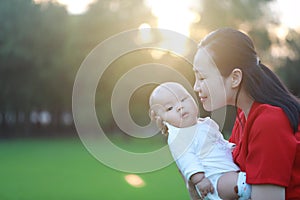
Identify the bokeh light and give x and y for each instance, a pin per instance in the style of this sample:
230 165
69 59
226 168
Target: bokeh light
135 180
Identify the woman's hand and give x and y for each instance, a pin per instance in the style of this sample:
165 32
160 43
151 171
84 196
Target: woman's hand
204 187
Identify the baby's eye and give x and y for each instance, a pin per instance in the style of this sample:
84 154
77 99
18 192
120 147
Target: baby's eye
169 108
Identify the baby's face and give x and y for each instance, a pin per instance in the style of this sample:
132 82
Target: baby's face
175 106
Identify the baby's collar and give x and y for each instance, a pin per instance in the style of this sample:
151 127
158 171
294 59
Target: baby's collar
174 128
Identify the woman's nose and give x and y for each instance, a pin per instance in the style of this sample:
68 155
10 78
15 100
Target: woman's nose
197 87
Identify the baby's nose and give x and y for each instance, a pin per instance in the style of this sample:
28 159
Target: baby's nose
179 108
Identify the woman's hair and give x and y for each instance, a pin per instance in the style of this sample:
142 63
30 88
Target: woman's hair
229 49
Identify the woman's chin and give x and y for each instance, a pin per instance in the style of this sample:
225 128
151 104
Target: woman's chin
207 108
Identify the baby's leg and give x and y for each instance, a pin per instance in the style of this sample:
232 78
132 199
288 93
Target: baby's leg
226 186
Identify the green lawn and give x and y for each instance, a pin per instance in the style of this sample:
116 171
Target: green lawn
63 169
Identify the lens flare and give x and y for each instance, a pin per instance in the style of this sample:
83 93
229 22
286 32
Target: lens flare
135 180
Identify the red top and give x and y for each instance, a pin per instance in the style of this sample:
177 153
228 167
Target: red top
267 149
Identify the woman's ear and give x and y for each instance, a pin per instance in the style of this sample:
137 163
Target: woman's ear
236 77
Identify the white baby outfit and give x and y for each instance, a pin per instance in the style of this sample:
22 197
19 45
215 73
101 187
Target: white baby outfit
201 148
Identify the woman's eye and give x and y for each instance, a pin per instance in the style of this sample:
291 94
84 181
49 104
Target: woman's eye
200 77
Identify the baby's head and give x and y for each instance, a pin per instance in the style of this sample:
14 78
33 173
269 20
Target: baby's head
174 104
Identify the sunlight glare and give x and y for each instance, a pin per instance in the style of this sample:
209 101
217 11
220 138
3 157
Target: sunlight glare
157 54
282 32
279 47
144 25
144 34
180 46
135 180
76 7
288 11
282 51
174 15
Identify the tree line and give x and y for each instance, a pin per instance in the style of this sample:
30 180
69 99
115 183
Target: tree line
42 48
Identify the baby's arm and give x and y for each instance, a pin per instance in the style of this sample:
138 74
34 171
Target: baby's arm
197 177
192 170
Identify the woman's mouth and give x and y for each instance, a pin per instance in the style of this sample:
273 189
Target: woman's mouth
202 99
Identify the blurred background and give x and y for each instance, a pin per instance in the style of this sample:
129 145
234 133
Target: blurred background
44 42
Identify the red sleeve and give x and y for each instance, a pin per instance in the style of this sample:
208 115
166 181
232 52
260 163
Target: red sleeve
271 148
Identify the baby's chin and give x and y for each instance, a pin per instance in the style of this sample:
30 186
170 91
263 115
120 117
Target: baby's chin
185 124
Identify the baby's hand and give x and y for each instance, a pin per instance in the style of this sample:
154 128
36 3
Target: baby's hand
204 187
157 119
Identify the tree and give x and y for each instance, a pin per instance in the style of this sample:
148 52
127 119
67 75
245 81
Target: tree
31 41
42 47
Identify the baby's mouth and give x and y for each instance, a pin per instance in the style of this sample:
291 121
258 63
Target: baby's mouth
184 115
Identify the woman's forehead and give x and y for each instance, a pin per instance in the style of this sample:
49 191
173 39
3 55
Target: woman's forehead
203 62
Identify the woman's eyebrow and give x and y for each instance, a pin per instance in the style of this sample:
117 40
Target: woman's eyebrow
198 73
202 73
197 70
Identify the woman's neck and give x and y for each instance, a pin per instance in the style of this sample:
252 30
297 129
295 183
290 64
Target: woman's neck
245 103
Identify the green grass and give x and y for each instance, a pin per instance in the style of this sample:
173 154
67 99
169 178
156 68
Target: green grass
63 169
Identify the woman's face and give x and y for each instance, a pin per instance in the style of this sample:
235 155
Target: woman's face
212 87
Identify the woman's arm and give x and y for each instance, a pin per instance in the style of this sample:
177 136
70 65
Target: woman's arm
267 192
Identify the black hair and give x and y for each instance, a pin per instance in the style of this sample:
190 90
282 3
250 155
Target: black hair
229 49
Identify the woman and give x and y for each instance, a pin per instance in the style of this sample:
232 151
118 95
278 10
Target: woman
266 132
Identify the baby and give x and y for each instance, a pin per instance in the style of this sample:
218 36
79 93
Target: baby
196 144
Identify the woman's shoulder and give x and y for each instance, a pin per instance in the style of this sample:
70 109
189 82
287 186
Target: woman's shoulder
261 109
267 116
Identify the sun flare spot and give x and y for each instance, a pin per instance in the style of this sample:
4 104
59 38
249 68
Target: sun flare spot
175 15
74 7
144 34
135 180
